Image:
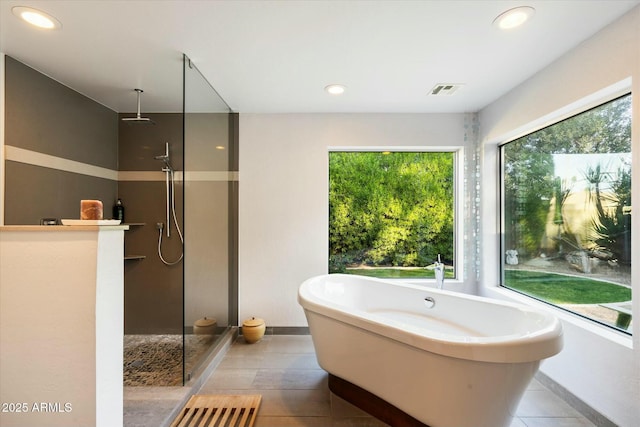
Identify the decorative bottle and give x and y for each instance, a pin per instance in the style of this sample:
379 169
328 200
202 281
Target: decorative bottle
118 211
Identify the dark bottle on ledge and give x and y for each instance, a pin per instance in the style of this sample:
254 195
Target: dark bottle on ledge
118 211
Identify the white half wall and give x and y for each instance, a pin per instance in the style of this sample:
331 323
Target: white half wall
61 326
2 155
283 219
601 367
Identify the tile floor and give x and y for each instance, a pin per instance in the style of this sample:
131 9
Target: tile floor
284 370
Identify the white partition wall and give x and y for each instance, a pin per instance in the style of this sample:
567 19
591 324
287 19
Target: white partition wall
61 325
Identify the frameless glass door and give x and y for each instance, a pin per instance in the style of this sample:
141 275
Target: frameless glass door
210 200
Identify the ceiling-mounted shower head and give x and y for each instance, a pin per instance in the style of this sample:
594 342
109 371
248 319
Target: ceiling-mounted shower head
138 118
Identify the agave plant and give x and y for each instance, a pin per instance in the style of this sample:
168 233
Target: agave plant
612 223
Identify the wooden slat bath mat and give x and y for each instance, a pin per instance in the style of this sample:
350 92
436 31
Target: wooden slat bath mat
218 410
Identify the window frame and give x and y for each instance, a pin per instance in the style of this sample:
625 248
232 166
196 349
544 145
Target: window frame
565 114
459 214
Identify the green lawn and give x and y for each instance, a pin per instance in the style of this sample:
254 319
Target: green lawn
554 288
398 273
562 289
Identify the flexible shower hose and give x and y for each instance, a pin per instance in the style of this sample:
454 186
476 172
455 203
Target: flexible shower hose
171 207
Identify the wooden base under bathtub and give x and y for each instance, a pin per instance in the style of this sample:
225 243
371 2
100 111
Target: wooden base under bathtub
371 403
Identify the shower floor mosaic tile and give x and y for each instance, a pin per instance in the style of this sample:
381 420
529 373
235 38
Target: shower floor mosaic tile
156 360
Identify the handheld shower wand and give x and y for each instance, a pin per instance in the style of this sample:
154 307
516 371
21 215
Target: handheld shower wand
171 206
168 170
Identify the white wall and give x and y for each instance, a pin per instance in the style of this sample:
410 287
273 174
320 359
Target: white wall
599 366
283 220
61 325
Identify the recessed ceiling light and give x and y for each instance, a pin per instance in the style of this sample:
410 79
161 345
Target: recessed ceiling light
220 147
335 89
513 18
36 17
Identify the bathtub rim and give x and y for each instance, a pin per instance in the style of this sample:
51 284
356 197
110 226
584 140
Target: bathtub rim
541 344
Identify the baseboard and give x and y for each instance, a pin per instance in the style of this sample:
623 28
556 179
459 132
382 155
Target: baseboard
288 330
285 330
154 331
587 411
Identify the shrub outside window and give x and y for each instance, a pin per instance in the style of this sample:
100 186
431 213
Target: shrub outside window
391 213
566 214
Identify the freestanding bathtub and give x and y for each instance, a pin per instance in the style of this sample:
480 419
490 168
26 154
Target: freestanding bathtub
446 359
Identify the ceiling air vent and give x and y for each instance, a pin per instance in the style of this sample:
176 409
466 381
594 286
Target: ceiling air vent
442 89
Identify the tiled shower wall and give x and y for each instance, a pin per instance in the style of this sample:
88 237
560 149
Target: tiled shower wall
60 148
153 291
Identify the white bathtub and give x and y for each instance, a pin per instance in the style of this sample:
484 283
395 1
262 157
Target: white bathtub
465 362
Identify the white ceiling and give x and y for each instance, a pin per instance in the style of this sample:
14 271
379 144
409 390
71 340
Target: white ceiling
277 56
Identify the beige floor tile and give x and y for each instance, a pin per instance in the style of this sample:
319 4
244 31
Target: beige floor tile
245 361
291 344
342 408
241 348
230 379
557 422
154 393
544 403
147 413
290 379
301 403
292 421
274 360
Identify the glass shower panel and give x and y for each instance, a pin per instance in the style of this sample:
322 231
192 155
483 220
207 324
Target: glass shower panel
209 210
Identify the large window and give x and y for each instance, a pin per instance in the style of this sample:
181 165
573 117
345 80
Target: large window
391 214
566 216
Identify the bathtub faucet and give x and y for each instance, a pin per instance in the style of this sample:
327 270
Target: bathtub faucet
439 273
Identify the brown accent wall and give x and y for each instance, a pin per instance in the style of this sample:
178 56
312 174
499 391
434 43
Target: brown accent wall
153 291
44 116
34 192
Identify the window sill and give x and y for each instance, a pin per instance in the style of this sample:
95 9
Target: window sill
427 282
602 331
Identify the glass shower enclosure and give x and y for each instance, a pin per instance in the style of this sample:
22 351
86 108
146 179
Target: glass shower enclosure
178 182
210 219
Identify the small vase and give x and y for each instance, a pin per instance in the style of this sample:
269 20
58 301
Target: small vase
253 329
204 326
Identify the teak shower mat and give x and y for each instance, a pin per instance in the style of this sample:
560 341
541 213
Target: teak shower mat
219 410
